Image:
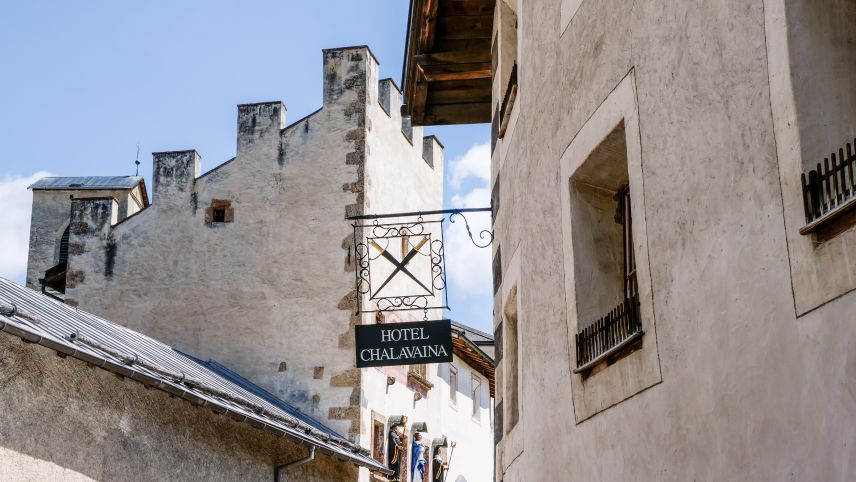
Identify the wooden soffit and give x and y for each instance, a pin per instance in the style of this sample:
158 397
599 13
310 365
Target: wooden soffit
447 63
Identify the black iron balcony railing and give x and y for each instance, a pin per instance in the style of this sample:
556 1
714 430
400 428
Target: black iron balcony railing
829 189
609 334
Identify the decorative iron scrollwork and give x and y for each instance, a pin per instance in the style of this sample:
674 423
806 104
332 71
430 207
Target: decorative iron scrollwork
413 278
485 233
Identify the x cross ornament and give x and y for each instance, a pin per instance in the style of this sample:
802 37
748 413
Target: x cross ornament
400 266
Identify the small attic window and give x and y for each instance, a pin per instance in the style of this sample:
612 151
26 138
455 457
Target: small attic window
219 212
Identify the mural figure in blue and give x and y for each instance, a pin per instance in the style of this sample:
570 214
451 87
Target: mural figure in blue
418 458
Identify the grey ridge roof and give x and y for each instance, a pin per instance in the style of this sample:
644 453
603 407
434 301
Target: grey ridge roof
87 182
38 318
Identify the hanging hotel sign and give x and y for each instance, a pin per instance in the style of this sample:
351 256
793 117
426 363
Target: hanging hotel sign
404 343
399 265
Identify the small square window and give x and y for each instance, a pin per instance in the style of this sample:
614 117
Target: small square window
219 212
219 215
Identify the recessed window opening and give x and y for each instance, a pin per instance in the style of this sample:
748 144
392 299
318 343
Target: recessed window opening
63 247
605 265
220 211
511 360
822 49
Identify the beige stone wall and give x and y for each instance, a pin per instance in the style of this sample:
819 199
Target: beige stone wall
750 390
66 420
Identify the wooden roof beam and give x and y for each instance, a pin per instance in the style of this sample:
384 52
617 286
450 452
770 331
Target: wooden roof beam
465 113
429 25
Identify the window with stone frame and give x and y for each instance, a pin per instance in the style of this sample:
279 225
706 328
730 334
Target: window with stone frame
812 76
220 211
822 42
504 67
605 271
609 294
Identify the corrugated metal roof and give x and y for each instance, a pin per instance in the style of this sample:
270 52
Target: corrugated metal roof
58 323
87 182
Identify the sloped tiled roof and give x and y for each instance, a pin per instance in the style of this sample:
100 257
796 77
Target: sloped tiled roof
48 322
87 182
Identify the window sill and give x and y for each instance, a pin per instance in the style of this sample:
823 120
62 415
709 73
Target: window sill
418 383
612 351
825 220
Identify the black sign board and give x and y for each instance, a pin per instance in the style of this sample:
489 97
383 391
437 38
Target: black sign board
404 343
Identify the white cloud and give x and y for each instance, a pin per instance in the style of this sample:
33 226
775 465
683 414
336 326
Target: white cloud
16 203
468 267
475 163
476 198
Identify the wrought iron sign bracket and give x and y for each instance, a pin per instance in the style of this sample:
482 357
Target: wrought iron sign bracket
484 234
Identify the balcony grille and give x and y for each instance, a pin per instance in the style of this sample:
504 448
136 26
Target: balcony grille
611 331
829 186
617 328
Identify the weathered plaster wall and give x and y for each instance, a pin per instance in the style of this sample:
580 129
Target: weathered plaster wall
66 420
50 216
749 391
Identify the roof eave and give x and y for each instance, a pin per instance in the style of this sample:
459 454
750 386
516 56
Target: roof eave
443 60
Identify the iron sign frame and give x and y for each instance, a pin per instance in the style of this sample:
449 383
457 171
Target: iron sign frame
372 231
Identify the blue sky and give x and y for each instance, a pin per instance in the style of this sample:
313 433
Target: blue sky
84 82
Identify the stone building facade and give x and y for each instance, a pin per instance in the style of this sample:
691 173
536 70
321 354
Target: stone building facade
252 263
674 299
